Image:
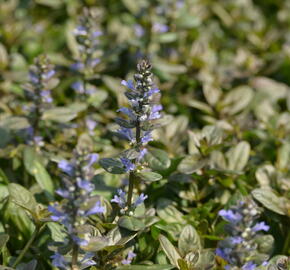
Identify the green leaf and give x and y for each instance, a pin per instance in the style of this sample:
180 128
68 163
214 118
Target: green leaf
149 176
131 223
265 244
15 123
191 164
237 100
35 168
27 266
183 264
157 159
270 200
168 212
3 240
5 137
238 156
60 114
167 37
189 240
169 250
22 197
112 165
146 267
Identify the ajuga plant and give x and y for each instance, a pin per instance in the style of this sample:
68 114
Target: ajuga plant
38 92
246 247
87 35
137 129
77 206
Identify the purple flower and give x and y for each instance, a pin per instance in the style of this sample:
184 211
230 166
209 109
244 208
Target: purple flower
152 91
131 255
63 193
142 153
46 96
249 266
160 28
236 240
78 87
147 137
139 30
57 215
128 112
78 66
80 241
128 84
91 160
155 112
91 124
48 74
96 34
85 185
126 133
261 226
59 261
80 31
93 62
129 166
66 167
96 209
121 199
140 199
230 216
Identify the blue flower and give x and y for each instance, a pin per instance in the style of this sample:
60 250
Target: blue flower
79 87
66 167
236 240
80 241
121 199
147 137
129 166
59 261
91 160
126 133
85 185
160 28
128 112
91 124
96 209
131 255
261 226
140 199
128 84
63 193
230 216
58 215
249 266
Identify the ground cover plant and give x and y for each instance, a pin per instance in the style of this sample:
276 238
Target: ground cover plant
144 135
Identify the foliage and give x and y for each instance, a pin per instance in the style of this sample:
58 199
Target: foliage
96 174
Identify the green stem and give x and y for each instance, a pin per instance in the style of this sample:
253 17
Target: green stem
132 174
74 260
27 246
286 244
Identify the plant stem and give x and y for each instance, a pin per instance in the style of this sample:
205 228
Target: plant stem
27 246
132 174
74 260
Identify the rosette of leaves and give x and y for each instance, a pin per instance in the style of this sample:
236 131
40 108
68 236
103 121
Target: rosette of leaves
190 254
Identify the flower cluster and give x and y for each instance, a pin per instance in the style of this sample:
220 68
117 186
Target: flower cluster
87 36
38 91
78 204
137 126
241 246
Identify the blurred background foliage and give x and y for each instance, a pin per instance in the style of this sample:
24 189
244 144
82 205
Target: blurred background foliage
223 68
